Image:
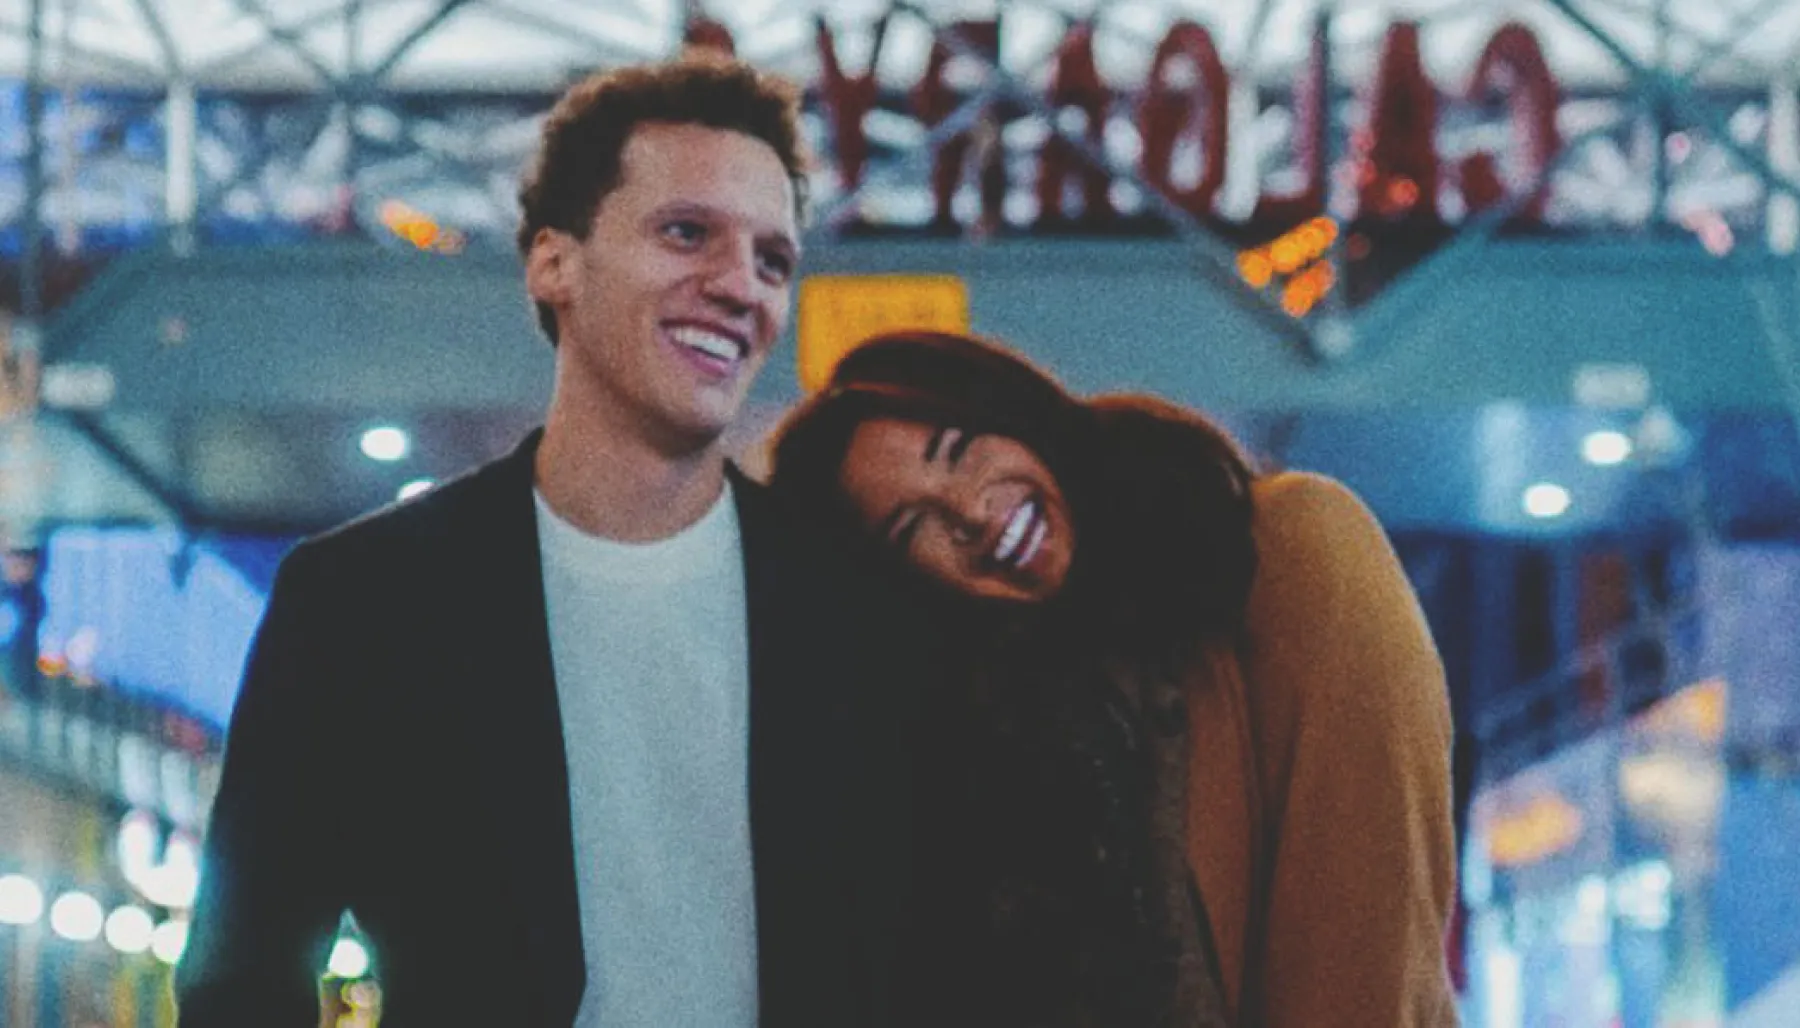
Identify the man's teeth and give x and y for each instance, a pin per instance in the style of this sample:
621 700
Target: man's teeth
1014 532
712 344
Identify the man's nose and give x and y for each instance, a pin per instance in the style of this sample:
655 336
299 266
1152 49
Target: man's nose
731 282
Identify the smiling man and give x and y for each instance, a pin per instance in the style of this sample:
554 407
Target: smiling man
610 720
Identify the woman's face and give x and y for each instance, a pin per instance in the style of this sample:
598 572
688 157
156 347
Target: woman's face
978 512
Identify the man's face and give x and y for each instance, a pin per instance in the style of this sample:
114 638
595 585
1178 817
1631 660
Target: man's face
669 308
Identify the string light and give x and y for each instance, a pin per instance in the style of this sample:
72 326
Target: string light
169 939
129 930
420 229
348 959
76 916
1296 254
21 901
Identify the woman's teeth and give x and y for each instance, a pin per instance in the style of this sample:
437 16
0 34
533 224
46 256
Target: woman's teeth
1022 528
1038 531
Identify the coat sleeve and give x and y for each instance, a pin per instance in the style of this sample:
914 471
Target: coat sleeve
1352 720
270 886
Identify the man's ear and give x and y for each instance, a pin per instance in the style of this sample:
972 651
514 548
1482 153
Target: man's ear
550 267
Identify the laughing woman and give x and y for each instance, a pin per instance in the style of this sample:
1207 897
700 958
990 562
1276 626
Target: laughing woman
1198 771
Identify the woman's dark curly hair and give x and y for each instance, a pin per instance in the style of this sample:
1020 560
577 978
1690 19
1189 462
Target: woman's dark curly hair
1159 495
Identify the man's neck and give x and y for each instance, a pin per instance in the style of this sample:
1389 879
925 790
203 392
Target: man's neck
618 485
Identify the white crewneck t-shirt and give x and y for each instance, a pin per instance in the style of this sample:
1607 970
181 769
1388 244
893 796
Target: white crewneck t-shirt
650 647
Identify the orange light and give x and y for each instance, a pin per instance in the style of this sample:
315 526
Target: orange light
1545 826
1402 193
419 229
1327 228
1696 713
1287 255
1256 268
1323 276
1299 298
1308 241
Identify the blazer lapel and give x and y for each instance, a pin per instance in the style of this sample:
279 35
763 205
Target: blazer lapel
797 795
516 730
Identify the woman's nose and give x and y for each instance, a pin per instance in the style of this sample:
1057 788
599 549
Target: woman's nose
968 516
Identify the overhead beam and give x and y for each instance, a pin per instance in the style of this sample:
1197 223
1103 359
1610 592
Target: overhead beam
124 67
1653 83
165 42
607 50
412 39
289 39
31 266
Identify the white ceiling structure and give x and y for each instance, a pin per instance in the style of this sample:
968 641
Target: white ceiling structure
535 45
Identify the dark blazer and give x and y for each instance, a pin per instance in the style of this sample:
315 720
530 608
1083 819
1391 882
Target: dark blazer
397 751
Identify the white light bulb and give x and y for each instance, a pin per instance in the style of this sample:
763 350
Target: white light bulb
385 443
21 901
172 885
129 930
1607 448
1547 500
348 959
169 939
415 487
76 916
138 837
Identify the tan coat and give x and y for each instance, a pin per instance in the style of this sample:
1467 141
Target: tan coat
1319 825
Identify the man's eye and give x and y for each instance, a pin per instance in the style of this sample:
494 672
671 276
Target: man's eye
778 266
684 231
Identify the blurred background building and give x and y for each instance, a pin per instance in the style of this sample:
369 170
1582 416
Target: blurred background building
1521 272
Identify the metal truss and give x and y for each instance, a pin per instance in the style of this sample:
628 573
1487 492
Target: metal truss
152 119
303 37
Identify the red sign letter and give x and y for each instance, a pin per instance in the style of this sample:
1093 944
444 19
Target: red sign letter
935 100
1513 63
1312 97
1168 112
1397 164
1075 83
846 100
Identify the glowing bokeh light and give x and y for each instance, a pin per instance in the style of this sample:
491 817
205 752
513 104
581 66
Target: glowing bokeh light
129 929
169 939
21 901
385 443
348 959
1606 448
1547 500
76 916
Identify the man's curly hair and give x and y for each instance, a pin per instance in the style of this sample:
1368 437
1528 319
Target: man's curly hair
579 158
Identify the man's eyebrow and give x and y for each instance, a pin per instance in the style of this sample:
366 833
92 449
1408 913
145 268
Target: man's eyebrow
785 240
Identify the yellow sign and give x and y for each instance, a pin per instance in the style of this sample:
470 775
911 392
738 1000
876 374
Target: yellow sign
1543 827
840 312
